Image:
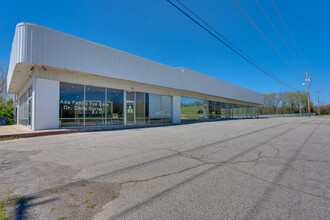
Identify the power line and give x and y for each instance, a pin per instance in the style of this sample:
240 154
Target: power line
286 27
227 40
242 54
278 34
260 32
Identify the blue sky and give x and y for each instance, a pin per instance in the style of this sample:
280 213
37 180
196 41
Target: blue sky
155 30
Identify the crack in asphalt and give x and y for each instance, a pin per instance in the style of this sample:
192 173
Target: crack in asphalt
202 163
278 184
164 175
216 165
296 158
268 192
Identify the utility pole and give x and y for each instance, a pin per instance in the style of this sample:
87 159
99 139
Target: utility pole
318 102
308 79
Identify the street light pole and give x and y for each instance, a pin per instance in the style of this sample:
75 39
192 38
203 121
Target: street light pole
308 79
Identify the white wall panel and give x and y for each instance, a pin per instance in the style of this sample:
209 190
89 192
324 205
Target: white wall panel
46 104
176 109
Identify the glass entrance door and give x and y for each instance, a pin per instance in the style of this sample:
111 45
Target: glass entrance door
130 113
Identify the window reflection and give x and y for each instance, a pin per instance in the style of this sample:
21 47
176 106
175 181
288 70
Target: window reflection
71 105
141 109
115 104
166 112
160 108
193 108
95 106
90 106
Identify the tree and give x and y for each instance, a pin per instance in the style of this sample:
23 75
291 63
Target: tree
7 111
285 103
270 104
3 83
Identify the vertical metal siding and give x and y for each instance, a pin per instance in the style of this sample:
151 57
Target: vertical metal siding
40 45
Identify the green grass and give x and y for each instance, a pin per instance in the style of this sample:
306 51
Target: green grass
84 202
12 190
114 196
8 202
3 217
83 185
3 209
8 138
91 206
55 191
61 218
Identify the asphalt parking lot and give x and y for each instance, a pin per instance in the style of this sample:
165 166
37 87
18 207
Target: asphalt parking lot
240 169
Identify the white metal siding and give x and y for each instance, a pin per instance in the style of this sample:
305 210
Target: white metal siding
39 45
46 104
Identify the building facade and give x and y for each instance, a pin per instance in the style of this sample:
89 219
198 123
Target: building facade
59 80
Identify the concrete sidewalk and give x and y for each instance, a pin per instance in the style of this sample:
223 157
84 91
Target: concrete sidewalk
7 131
14 129
20 131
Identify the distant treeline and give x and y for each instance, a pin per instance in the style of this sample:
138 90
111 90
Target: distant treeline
289 102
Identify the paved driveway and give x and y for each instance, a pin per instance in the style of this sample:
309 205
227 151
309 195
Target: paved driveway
240 169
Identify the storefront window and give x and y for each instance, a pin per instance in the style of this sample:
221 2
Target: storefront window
95 106
193 108
224 110
25 108
217 109
140 105
71 105
90 106
115 103
166 109
160 108
211 110
155 108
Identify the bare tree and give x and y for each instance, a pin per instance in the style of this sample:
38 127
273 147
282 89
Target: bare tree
3 82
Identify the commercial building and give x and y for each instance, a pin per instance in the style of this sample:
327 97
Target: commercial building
59 80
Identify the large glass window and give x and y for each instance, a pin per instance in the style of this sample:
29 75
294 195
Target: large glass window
185 108
114 105
235 111
214 109
90 106
71 105
155 108
211 110
160 108
95 106
205 109
193 108
141 109
225 110
240 111
25 108
130 96
166 109
217 109
249 111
